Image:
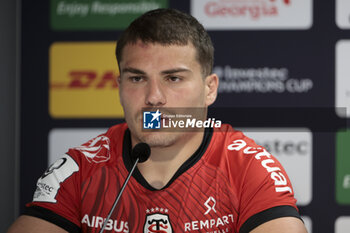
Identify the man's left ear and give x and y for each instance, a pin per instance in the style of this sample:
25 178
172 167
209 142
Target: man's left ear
211 87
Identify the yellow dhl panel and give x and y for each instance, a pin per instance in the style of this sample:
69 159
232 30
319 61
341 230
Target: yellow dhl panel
83 80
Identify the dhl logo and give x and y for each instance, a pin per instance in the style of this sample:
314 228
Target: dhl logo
82 79
85 94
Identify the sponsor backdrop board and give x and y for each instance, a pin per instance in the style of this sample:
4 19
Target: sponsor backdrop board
273 57
343 168
82 80
343 14
253 15
342 224
98 14
342 80
307 222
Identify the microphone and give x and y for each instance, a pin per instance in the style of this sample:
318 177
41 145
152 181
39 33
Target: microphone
140 153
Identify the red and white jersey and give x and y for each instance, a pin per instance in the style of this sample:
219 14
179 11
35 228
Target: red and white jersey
229 185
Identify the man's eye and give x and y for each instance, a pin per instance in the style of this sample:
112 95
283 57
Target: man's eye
174 79
136 79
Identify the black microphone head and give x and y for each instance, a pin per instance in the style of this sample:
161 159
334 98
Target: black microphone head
141 151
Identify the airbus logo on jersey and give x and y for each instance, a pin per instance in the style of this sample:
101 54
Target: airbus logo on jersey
112 225
157 221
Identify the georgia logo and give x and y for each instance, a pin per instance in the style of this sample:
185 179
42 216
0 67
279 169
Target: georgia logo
96 150
157 223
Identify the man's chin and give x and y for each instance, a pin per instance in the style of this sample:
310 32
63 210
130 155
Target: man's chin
154 139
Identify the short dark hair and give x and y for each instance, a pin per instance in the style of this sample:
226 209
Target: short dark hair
170 27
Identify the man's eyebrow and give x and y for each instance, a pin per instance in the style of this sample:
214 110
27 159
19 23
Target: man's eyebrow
175 70
170 71
133 70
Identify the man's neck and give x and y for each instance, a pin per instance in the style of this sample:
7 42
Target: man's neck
165 161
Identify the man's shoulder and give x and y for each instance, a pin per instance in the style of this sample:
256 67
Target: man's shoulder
78 165
226 135
101 149
232 146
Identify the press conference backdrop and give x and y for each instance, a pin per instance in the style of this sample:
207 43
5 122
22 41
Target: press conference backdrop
284 68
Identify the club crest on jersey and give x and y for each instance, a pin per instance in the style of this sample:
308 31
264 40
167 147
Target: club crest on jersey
157 222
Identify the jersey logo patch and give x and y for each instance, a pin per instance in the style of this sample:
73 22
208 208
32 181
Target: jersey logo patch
158 223
96 150
50 182
210 204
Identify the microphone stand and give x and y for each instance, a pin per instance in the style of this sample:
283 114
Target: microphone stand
119 195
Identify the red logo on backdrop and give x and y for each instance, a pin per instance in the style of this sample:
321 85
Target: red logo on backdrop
96 150
82 79
238 8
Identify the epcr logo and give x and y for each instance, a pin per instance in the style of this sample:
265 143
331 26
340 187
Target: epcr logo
158 223
56 165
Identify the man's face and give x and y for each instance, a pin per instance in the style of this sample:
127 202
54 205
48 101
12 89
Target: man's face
153 75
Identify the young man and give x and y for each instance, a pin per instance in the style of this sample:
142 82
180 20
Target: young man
203 181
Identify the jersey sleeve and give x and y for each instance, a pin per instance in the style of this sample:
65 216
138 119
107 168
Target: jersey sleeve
57 195
266 192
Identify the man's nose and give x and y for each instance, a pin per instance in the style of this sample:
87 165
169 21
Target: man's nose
155 94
